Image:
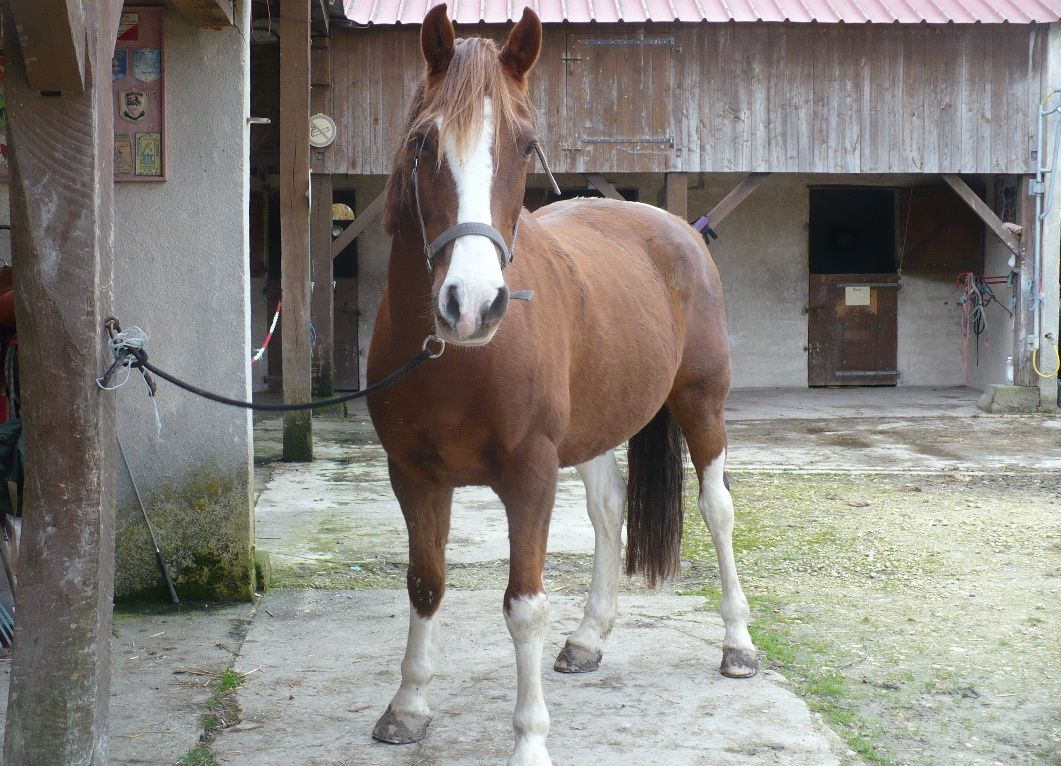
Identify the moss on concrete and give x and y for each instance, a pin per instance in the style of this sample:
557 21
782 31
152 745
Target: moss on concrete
298 437
263 570
203 525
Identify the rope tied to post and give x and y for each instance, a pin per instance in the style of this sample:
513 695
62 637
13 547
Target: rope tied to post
128 350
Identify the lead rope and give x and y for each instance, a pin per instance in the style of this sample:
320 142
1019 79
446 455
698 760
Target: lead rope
128 351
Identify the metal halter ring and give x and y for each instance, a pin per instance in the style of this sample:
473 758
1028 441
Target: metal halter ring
434 339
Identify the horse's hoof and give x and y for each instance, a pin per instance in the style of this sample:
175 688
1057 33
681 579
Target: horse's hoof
739 663
573 659
400 729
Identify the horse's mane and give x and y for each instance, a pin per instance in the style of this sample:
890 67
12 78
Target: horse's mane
457 103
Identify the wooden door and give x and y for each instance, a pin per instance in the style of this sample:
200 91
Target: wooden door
347 360
618 95
852 329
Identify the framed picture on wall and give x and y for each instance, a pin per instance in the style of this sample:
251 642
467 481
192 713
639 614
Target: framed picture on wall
138 79
138 82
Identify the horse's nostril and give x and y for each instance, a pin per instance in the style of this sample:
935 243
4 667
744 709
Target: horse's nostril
499 306
451 305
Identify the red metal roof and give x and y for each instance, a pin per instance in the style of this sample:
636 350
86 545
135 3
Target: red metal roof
386 12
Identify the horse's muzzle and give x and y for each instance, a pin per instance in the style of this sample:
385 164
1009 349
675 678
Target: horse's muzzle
465 317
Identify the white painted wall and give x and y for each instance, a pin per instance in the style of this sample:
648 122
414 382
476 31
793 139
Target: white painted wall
182 273
996 344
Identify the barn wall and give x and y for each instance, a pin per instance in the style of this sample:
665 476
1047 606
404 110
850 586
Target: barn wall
738 97
762 256
182 273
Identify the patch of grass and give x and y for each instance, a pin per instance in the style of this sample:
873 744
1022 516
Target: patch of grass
230 679
200 755
224 712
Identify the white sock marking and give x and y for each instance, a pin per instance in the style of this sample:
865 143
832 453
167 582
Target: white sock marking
418 668
527 618
605 501
716 506
474 267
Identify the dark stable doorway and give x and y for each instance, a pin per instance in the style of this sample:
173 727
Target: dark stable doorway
852 316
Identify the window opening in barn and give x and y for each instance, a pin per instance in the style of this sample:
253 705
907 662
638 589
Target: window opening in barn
852 231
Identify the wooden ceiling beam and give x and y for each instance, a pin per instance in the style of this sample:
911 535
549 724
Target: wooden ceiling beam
206 14
52 37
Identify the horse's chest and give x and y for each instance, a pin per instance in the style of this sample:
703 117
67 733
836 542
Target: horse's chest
458 452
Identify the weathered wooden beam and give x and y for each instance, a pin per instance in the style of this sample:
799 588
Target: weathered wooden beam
983 212
62 191
604 186
295 223
323 297
364 218
739 193
677 194
320 17
206 14
52 36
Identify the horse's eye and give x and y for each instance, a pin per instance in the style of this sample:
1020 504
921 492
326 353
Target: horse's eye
528 151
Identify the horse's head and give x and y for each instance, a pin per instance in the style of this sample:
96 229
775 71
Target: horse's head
467 150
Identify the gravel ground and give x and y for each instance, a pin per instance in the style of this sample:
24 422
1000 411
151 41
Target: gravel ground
920 615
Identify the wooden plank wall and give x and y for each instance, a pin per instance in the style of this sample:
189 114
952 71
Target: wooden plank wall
748 98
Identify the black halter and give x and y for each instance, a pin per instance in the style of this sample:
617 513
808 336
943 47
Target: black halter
468 228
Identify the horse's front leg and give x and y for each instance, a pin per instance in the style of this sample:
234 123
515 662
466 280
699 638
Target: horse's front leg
528 489
426 507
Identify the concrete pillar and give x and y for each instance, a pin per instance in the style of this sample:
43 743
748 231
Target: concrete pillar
1051 244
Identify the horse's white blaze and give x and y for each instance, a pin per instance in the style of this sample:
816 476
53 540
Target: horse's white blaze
527 618
605 500
474 268
418 668
716 506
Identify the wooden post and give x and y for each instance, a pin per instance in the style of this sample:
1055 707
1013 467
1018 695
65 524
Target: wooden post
323 298
677 191
294 223
1023 328
62 192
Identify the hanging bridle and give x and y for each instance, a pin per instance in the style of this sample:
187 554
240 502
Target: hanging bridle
470 228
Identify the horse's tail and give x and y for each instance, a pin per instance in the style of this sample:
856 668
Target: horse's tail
654 500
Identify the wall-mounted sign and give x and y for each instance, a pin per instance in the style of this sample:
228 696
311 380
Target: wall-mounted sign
138 79
321 131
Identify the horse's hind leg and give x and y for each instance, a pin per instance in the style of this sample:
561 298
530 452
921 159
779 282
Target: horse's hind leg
704 425
426 507
605 500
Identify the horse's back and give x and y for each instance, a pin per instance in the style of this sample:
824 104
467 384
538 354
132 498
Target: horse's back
650 306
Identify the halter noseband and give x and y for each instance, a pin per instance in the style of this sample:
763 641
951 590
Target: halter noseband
468 228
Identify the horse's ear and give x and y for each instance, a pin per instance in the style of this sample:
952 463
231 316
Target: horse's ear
524 43
436 39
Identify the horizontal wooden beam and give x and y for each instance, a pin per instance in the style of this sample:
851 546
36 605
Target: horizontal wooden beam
983 212
51 35
364 218
740 193
206 14
604 186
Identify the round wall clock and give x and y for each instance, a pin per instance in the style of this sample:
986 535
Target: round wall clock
321 131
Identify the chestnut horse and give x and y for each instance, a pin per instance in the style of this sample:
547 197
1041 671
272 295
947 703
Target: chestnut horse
624 340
